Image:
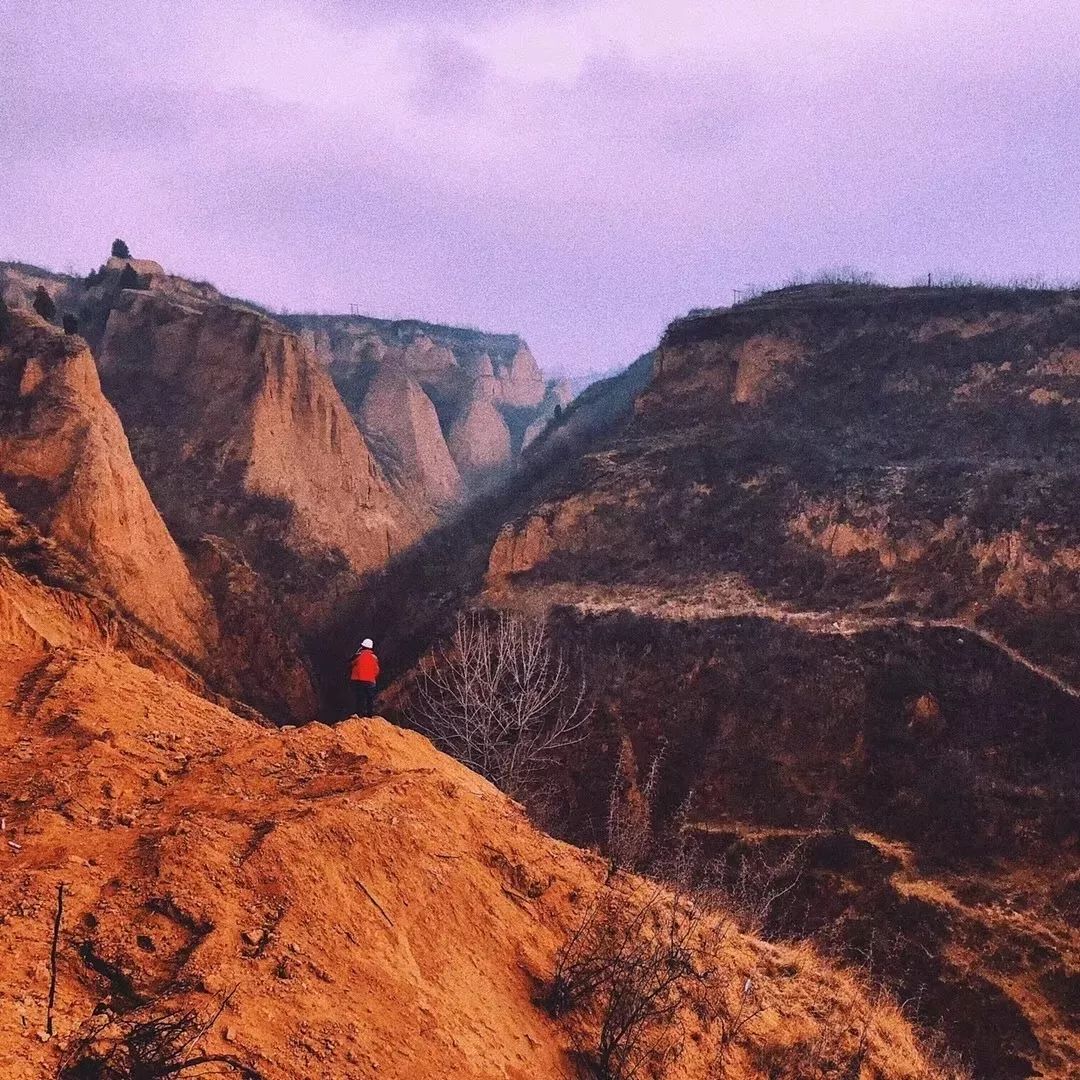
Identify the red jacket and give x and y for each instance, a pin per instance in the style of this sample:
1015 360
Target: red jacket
365 667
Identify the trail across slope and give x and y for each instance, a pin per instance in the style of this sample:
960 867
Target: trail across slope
728 598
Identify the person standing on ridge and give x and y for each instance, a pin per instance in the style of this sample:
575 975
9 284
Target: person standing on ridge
364 674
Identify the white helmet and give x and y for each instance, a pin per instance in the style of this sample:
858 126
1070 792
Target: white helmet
367 643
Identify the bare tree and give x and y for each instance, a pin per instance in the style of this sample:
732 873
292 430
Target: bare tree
502 699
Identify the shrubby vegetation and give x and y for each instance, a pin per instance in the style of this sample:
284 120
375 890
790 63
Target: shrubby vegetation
44 304
130 279
155 1042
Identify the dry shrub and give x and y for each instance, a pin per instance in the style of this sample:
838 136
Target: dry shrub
630 812
750 885
636 969
154 1043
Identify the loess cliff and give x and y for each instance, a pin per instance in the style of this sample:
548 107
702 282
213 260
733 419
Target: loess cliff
250 458
815 560
823 576
487 391
65 464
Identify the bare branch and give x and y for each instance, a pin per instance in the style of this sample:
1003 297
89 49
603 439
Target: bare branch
502 700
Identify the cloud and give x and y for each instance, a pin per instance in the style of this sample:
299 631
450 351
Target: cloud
580 172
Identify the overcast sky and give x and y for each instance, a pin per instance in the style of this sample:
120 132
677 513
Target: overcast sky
579 172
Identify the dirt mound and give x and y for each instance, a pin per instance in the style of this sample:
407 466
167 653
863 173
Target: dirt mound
65 464
363 904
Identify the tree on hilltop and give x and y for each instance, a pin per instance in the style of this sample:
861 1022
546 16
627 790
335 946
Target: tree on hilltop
43 304
5 320
120 249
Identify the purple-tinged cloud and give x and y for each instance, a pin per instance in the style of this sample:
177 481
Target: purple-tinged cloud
578 172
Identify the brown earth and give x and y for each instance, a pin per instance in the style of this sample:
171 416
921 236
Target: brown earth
828 568
360 903
815 558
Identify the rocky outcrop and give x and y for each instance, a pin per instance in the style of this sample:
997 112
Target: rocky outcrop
145 268
426 359
256 464
521 384
519 548
66 465
456 369
20 281
397 410
232 419
761 368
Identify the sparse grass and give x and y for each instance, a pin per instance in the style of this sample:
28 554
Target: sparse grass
852 278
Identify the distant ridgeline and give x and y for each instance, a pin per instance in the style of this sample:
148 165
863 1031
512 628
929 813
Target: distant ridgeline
463 341
446 409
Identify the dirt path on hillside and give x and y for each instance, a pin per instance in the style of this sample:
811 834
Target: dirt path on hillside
729 597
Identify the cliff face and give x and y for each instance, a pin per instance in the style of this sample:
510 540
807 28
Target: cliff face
827 572
905 451
258 469
229 415
396 412
487 390
480 440
254 463
65 464
48 602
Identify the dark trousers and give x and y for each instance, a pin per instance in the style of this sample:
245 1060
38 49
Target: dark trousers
364 698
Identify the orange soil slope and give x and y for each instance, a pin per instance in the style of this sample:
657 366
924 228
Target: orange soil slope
374 908
65 464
